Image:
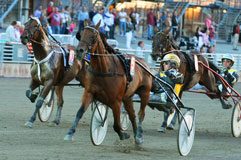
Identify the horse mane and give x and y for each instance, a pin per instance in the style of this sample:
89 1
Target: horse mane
213 66
109 48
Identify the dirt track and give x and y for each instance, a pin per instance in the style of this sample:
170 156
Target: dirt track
213 138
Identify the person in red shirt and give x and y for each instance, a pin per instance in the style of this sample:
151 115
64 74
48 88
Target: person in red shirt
50 10
150 23
236 32
56 21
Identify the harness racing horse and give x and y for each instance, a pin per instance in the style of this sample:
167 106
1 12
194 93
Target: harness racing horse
48 68
106 82
163 43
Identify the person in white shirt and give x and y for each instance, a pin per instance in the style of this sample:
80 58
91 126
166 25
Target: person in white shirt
122 19
98 17
12 33
140 48
129 30
109 22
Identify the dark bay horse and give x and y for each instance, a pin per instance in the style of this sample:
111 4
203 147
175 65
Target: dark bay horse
48 68
106 82
163 43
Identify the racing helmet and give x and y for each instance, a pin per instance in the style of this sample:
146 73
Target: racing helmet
174 59
229 57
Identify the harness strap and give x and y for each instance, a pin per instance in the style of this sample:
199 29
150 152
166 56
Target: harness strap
42 61
104 74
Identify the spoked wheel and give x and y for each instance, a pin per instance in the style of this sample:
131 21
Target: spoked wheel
46 110
125 121
236 121
99 124
184 139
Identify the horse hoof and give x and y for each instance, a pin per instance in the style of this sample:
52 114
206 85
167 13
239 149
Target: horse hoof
125 136
139 141
29 124
33 97
54 123
68 138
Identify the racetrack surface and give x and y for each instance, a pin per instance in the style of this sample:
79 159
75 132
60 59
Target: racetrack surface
213 138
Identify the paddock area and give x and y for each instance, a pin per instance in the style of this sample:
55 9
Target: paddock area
213 138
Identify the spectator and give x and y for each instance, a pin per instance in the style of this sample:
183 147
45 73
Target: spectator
83 15
236 32
109 22
133 21
203 49
205 38
64 21
92 13
38 12
168 22
56 20
43 19
150 23
174 25
12 34
212 33
68 19
122 20
159 21
138 19
199 35
129 30
60 6
163 20
140 48
98 17
72 27
116 21
211 49
50 10
208 22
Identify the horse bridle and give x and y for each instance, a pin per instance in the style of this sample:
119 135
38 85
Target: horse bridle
89 46
30 33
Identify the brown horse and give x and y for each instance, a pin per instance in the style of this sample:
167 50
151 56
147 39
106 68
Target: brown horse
48 68
163 43
106 82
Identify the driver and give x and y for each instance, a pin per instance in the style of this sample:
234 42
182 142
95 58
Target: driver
229 74
170 74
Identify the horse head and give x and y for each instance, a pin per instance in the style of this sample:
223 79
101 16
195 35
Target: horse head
31 30
162 42
88 40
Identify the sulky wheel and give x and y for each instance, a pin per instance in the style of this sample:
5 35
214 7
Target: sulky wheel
124 120
99 124
236 120
47 107
184 139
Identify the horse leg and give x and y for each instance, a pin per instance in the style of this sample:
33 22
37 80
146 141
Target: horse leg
116 126
29 92
141 114
39 103
128 105
60 102
86 100
70 75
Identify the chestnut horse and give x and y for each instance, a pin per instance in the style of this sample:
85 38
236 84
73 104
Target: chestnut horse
106 82
48 68
163 43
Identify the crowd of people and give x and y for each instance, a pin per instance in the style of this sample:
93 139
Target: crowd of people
57 19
